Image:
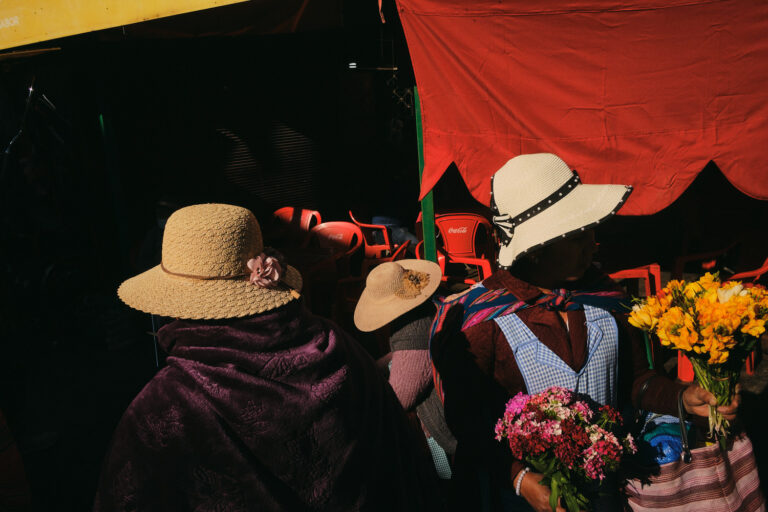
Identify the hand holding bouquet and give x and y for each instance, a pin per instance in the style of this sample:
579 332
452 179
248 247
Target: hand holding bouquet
716 324
566 437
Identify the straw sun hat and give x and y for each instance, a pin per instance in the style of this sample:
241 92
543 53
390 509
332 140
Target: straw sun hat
537 199
394 288
213 267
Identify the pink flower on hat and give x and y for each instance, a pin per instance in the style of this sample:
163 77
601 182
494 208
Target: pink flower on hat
265 271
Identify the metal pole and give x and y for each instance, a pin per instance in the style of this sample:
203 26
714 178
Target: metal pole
427 204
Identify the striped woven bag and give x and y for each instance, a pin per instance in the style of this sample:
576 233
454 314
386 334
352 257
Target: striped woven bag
711 481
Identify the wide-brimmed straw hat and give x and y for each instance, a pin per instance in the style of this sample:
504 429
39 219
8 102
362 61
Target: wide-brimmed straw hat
394 288
213 267
537 199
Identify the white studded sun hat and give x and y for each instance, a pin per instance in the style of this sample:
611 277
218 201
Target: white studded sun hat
537 199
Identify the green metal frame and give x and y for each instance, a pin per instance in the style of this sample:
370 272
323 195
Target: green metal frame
427 204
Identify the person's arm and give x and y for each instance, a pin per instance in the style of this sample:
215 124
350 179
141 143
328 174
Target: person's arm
535 494
654 390
410 376
651 390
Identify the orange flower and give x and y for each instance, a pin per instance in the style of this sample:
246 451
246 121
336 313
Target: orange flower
641 318
755 327
704 317
692 290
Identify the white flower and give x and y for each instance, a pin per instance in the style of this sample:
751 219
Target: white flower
724 296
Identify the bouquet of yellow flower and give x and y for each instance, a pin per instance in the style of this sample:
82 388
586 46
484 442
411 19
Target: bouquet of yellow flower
716 324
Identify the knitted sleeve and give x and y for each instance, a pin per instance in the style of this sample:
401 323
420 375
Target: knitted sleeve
411 373
410 376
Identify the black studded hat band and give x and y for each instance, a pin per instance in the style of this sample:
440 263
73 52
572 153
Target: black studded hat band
507 223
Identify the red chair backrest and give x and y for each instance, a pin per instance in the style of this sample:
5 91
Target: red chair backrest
371 248
419 250
706 261
753 275
339 237
467 235
294 224
649 274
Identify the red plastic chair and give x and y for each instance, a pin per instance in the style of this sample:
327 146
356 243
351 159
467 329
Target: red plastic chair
338 239
463 238
399 254
291 226
650 276
440 257
708 261
325 260
754 275
466 238
371 247
377 253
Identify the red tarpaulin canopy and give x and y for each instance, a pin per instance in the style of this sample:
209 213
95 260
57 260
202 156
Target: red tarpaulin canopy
641 93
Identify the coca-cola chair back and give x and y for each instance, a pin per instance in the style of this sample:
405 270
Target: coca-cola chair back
339 238
465 235
466 250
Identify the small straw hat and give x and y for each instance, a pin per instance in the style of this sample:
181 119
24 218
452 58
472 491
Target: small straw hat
213 267
394 288
537 199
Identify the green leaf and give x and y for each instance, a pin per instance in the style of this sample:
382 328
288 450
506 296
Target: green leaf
571 503
554 495
539 465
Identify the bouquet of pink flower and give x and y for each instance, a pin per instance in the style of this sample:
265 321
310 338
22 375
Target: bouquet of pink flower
568 438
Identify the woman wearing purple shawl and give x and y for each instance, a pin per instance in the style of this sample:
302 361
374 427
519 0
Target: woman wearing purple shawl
262 406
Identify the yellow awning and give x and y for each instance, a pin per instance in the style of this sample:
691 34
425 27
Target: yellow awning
30 21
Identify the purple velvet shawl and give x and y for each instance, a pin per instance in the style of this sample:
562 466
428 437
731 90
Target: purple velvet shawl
281 411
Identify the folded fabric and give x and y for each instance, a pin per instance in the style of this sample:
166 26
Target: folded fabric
663 443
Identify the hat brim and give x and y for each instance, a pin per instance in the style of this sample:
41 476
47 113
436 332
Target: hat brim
584 207
371 312
163 294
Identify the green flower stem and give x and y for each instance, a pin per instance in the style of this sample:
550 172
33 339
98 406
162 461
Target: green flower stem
721 382
648 349
559 481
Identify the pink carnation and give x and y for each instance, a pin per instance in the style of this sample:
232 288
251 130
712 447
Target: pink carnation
582 409
565 436
517 404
